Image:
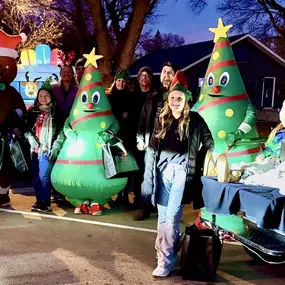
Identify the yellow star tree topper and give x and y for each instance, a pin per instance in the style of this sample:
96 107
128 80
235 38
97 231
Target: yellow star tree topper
92 58
220 31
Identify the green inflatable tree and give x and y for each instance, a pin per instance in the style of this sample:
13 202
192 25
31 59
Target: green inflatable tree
224 103
79 171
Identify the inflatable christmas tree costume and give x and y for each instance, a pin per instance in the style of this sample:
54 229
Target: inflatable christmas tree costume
79 172
224 103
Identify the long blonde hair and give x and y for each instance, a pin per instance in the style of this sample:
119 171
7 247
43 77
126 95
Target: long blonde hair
166 120
274 131
110 89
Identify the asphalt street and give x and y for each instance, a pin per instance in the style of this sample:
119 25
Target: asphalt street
45 250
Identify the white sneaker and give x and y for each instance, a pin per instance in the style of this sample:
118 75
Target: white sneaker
160 271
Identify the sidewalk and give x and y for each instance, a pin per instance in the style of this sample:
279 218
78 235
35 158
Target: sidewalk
22 199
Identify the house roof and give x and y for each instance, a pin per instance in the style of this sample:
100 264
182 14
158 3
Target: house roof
189 55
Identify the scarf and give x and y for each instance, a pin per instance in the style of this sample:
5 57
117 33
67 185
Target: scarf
44 129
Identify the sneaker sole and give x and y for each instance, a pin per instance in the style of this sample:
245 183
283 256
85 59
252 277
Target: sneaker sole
162 275
44 211
96 213
34 209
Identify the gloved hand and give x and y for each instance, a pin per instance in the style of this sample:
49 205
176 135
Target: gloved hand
71 135
104 137
53 154
233 137
32 140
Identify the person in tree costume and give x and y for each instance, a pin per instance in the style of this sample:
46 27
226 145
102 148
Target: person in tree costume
224 103
78 172
12 109
264 168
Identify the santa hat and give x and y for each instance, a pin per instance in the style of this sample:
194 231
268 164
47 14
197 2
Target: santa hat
179 82
9 43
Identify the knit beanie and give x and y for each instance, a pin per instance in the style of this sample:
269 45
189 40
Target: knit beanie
122 74
145 69
170 64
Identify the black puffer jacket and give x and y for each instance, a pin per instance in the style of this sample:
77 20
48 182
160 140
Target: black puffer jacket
200 140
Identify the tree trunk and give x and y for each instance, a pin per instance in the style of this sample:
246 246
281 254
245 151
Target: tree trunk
102 40
80 28
134 30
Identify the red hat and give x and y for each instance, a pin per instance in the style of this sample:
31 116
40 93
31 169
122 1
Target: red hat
179 82
9 43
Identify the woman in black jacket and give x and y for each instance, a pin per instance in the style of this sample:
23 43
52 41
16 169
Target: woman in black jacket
170 167
120 97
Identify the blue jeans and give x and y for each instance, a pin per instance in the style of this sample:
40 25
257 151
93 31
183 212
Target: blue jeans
170 188
41 169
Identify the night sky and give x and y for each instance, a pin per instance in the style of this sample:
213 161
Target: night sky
181 20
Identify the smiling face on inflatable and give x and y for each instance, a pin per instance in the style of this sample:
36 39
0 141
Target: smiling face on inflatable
223 78
91 97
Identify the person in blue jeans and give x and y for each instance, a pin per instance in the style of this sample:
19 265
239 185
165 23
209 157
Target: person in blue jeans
171 165
44 133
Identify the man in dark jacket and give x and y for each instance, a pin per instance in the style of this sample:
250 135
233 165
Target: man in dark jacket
150 111
144 95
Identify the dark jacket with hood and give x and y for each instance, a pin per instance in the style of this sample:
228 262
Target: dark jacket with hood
200 140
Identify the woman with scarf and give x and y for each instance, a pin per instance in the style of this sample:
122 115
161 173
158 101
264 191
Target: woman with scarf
44 133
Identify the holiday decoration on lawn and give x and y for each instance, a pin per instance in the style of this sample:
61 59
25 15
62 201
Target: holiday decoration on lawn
43 54
54 57
31 87
79 172
28 57
224 103
12 108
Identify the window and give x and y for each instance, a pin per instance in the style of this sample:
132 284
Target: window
281 87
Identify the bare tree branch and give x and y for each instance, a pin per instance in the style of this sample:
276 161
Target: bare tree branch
28 16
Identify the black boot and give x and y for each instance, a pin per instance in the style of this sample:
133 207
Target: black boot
142 215
4 200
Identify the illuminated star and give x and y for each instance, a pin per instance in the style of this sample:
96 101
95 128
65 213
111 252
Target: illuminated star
92 58
220 31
